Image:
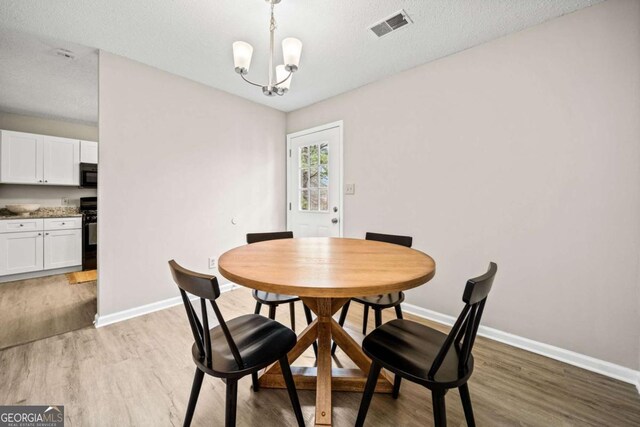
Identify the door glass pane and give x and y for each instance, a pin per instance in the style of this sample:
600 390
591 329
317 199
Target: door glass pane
304 157
304 200
313 199
324 177
304 178
313 155
324 200
324 153
313 178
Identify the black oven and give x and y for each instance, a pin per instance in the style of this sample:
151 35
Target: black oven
88 175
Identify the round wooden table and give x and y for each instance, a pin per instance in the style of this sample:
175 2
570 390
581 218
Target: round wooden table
326 273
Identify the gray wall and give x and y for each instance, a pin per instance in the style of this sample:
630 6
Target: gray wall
524 151
178 161
45 196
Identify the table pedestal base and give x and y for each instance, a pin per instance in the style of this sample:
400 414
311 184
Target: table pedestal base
324 378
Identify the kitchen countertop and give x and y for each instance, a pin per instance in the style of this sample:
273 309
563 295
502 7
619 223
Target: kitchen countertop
45 212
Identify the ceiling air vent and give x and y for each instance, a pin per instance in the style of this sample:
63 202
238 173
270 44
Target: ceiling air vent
65 53
392 23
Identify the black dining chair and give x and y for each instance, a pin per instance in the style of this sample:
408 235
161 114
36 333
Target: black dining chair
377 302
271 299
233 349
428 357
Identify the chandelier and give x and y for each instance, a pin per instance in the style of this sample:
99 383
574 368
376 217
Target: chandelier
291 50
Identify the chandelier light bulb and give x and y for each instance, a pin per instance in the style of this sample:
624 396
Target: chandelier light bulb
242 52
291 51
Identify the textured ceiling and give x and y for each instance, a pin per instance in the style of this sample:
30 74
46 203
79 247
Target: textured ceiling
36 81
193 39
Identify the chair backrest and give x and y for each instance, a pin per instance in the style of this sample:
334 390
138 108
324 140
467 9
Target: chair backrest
261 237
206 288
390 238
464 331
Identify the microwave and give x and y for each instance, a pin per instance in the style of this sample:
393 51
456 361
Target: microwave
88 175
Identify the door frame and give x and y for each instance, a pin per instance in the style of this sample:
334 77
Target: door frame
337 124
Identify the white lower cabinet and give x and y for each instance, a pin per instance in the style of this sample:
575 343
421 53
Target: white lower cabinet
62 248
21 252
30 245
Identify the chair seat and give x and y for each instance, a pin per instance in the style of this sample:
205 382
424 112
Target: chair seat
409 348
382 301
273 298
261 341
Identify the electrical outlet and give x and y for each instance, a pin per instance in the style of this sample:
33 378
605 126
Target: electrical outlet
350 189
212 263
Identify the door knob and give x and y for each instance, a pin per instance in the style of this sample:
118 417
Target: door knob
334 220
335 209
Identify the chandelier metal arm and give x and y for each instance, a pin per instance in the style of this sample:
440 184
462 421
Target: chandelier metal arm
259 85
249 81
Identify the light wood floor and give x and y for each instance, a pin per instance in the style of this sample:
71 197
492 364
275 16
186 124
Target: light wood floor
39 308
139 372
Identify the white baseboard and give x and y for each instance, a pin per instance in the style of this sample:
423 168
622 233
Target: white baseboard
110 319
589 363
39 273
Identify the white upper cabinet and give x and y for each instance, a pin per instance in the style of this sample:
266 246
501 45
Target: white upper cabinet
21 158
38 159
88 152
61 161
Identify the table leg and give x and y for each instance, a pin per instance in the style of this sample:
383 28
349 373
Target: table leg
323 378
323 386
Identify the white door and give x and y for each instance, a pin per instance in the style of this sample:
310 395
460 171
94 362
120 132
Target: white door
62 248
20 252
314 182
61 161
21 158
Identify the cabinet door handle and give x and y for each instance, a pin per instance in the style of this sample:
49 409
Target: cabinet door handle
39 234
21 225
46 234
46 180
63 223
39 180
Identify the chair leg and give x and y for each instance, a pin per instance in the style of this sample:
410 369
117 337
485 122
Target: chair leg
396 386
258 307
439 409
307 314
374 372
291 388
398 311
255 382
365 320
378 317
272 312
343 318
292 315
231 403
466 404
193 398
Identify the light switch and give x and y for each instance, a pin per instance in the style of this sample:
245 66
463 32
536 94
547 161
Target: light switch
350 189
